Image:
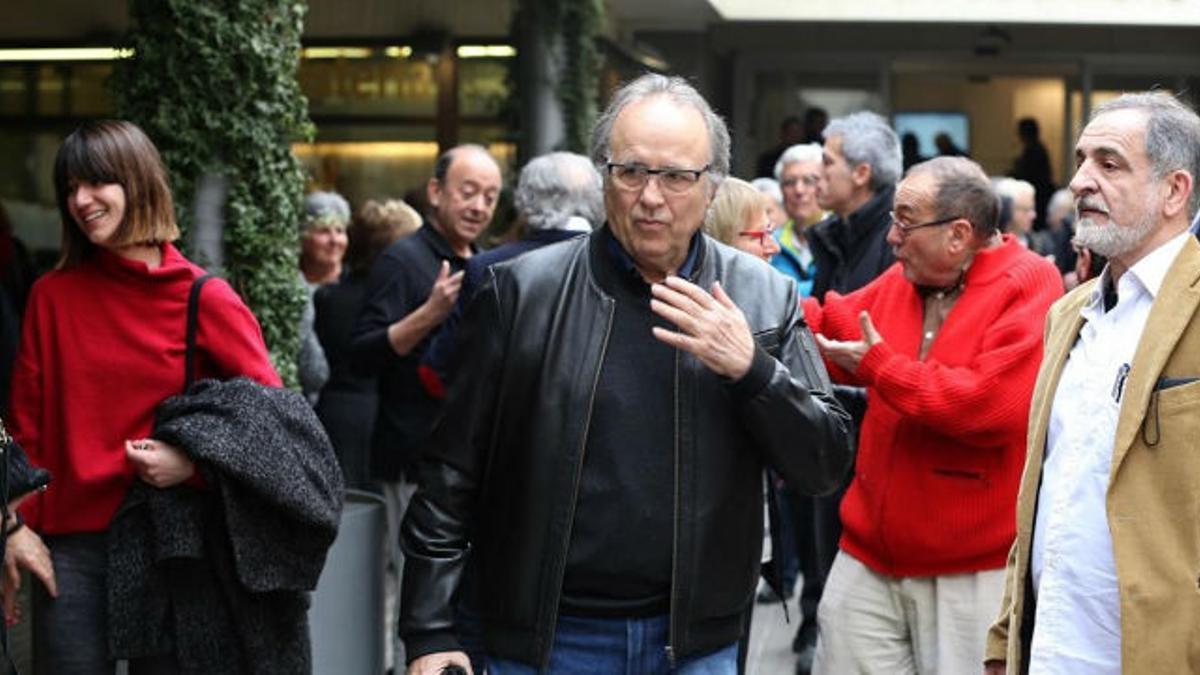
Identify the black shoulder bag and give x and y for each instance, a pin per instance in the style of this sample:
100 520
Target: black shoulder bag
17 477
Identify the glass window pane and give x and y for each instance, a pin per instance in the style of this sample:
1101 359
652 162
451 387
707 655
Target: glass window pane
483 87
51 90
375 86
368 169
90 94
13 97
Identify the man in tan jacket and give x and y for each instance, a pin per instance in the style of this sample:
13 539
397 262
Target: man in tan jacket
1103 577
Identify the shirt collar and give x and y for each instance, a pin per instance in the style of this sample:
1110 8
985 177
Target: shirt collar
438 242
624 261
1146 274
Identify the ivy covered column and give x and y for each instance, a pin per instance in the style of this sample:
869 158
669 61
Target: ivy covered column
558 74
214 85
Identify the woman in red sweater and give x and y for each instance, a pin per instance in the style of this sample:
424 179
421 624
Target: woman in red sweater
102 345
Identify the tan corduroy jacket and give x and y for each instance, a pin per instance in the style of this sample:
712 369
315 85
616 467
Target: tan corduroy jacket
1153 490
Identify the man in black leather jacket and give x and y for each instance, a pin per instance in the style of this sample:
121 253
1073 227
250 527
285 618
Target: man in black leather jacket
601 452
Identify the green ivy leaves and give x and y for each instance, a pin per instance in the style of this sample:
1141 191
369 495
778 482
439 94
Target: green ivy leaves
213 82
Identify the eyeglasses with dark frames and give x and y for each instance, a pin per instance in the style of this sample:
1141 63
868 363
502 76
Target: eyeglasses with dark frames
905 229
635 177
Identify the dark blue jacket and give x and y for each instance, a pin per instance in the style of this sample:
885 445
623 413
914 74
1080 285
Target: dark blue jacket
437 366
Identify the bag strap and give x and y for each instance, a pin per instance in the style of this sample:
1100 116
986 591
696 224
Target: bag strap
193 320
6 662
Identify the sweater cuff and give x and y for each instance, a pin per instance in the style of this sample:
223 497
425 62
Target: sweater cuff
423 644
762 366
873 363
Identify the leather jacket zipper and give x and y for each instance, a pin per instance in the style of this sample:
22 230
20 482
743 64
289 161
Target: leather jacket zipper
566 549
671 611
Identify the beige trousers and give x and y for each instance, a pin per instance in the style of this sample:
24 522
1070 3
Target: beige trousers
870 623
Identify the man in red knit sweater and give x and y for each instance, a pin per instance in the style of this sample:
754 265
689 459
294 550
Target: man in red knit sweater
947 343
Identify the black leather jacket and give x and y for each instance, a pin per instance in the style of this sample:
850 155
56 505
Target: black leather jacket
501 473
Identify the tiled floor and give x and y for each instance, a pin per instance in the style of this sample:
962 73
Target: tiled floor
771 640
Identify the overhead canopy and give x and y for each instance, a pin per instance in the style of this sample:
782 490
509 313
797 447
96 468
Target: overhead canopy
1075 12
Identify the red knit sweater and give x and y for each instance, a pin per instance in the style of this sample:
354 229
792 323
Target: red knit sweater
943 443
101 346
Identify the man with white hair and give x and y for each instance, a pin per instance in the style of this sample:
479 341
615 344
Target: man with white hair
799 174
1102 577
558 197
1022 199
601 450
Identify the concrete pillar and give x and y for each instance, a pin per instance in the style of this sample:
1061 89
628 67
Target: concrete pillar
539 65
1085 89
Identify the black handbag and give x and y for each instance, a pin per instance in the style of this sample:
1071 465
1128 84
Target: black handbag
18 477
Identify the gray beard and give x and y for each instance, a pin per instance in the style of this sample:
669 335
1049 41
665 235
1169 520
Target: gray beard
1113 239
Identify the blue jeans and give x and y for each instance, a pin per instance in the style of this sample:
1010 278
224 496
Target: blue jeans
618 647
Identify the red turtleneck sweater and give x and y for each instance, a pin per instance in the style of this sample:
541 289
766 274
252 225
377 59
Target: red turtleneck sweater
942 445
101 346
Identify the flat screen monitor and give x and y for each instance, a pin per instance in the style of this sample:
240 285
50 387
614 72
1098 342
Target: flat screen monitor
927 126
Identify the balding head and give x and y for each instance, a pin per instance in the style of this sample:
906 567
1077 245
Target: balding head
463 194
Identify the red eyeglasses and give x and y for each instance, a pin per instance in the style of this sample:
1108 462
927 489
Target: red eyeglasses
761 235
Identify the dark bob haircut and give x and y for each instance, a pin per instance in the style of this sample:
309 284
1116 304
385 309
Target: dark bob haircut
114 151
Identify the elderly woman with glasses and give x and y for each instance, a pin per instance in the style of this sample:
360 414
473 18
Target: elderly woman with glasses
740 216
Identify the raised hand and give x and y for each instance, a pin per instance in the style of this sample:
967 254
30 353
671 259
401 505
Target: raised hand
849 353
710 327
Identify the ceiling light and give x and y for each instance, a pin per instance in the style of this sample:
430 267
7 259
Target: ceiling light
336 52
486 51
65 54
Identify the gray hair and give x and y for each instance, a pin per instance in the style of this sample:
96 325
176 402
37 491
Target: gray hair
803 152
325 208
868 139
1172 135
556 186
769 187
963 191
1062 199
1015 187
677 90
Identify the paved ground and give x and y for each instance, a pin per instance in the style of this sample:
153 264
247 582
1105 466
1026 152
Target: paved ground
771 640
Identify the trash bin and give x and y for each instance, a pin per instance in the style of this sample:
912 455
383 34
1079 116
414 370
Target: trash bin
346 616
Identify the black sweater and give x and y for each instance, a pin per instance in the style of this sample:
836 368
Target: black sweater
619 561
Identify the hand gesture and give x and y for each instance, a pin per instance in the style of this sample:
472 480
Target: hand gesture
848 354
445 292
711 327
25 551
434 664
159 464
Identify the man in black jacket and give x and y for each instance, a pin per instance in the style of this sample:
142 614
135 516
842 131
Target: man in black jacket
862 162
411 289
602 448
